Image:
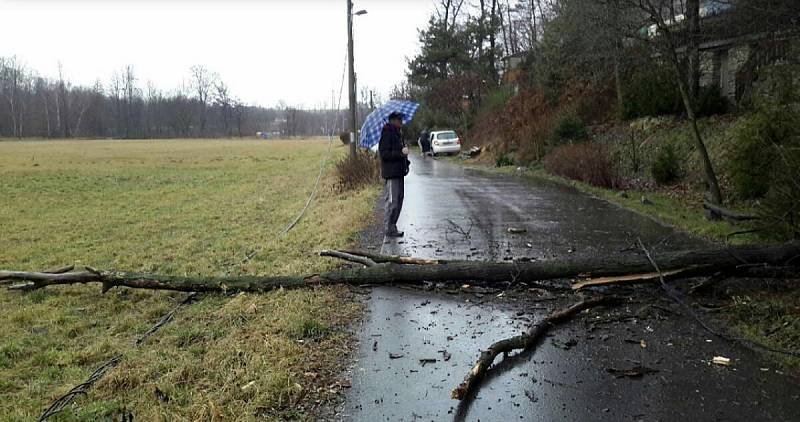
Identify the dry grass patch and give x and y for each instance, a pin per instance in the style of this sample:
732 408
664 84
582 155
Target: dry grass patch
173 207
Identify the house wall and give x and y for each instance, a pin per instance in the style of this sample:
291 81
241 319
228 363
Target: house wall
720 67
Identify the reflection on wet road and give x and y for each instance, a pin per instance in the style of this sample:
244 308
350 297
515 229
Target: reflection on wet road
416 346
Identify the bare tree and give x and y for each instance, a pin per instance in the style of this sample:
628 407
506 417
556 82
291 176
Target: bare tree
493 40
239 114
664 15
224 102
152 126
82 98
693 47
13 78
62 103
42 92
512 33
131 93
443 10
202 83
115 90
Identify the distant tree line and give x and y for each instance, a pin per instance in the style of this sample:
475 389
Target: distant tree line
32 105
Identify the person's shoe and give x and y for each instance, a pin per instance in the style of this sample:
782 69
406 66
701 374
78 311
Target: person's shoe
395 233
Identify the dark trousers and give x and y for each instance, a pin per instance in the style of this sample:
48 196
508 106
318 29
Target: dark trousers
393 200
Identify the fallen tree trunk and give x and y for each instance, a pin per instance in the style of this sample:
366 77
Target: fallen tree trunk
691 263
524 341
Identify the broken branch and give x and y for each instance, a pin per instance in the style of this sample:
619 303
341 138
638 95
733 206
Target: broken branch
395 259
524 341
633 278
358 259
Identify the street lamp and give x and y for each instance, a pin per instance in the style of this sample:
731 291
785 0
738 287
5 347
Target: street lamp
352 75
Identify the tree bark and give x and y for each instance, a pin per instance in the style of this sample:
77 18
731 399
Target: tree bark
692 262
728 214
688 103
492 42
618 84
693 47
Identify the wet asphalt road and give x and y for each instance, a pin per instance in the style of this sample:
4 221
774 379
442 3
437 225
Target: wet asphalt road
457 213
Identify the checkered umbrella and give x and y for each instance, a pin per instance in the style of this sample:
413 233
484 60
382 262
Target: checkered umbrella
374 123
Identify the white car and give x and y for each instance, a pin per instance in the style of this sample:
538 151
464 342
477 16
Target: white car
445 142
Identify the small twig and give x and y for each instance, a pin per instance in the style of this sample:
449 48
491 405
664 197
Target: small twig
363 260
708 282
736 233
61 270
460 230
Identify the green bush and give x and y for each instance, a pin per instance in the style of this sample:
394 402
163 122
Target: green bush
781 204
503 161
651 91
711 102
757 139
752 156
666 165
569 127
765 163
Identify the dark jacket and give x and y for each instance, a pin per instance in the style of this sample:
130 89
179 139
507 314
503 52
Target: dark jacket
393 163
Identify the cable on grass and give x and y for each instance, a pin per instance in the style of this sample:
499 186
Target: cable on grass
313 193
83 388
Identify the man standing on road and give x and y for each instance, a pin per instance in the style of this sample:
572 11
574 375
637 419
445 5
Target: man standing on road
394 167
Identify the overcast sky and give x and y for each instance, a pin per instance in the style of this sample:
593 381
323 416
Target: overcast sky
265 50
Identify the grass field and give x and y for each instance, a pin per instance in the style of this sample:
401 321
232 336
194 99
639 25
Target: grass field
172 207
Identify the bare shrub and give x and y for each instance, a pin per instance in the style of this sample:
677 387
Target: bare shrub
523 124
588 162
359 172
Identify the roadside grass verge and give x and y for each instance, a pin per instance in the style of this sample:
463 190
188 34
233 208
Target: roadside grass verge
685 213
174 207
770 317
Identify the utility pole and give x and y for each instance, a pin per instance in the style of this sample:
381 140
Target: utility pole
352 79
